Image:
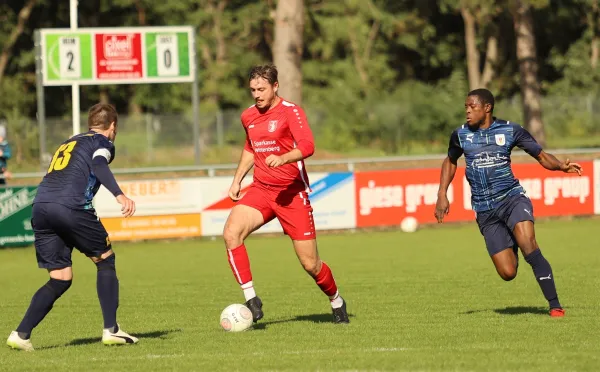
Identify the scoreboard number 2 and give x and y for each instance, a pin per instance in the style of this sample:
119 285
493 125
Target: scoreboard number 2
69 53
167 55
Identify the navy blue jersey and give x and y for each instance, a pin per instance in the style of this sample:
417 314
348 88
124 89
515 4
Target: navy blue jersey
70 180
487 155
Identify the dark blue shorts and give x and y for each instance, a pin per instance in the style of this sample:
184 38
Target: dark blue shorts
59 229
497 225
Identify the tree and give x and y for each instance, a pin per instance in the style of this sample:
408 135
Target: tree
479 18
594 21
23 17
288 48
528 69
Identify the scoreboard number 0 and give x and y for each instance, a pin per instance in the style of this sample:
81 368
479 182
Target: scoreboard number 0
166 55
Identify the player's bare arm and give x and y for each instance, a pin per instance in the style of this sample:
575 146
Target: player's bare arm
442 206
289 157
246 163
550 162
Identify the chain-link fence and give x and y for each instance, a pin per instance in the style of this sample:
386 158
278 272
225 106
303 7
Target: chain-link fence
163 140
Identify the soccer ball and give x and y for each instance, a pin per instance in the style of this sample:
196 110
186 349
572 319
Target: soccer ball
236 318
409 224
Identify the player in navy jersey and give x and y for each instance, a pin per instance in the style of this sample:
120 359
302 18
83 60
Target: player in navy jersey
504 213
63 218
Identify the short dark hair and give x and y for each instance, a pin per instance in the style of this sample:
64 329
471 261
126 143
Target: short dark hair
101 115
267 72
485 96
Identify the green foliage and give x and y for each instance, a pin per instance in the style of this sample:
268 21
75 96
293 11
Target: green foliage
376 73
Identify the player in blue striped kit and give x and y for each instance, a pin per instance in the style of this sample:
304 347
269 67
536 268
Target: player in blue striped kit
504 213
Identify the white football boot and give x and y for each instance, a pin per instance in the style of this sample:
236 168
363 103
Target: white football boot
16 342
118 338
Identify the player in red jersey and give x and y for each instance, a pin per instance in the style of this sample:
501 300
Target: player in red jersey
278 139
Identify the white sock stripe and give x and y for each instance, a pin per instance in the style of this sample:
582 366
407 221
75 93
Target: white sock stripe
248 285
337 302
249 293
232 262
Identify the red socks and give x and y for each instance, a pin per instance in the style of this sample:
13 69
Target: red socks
240 264
325 281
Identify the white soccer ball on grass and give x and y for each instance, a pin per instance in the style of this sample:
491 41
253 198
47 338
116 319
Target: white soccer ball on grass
236 318
409 224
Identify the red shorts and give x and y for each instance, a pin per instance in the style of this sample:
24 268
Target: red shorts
292 209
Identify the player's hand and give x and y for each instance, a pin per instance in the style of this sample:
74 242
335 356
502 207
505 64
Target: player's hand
274 161
442 208
127 205
569 167
1 153
7 174
234 192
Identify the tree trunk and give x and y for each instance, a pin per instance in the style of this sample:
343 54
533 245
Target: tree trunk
103 96
471 46
288 47
358 61
528 67
214 60
14 35
595 26
491 59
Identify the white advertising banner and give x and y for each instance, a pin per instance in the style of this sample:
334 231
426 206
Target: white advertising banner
332 199
153 197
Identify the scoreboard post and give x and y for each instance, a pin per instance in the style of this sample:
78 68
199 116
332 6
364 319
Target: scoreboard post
122 55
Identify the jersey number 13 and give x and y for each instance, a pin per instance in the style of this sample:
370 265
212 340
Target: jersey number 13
62 156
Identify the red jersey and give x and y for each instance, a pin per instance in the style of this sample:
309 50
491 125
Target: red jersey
278 131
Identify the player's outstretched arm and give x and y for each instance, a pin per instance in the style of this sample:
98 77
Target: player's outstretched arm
550 162
246 163
525 141
442 206
106 178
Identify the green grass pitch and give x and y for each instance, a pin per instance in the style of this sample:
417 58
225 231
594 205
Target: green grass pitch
428 301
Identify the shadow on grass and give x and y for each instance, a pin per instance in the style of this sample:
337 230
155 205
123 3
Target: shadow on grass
47 347
315 318
162 334
518 310
512 310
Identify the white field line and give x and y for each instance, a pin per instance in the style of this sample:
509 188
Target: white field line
288 352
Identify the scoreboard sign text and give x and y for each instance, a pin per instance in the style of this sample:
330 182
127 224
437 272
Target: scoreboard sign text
125 55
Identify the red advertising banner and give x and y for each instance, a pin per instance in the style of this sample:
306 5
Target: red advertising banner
385 198
557 193
118 56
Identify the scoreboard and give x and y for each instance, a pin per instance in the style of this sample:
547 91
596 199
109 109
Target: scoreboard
124 55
